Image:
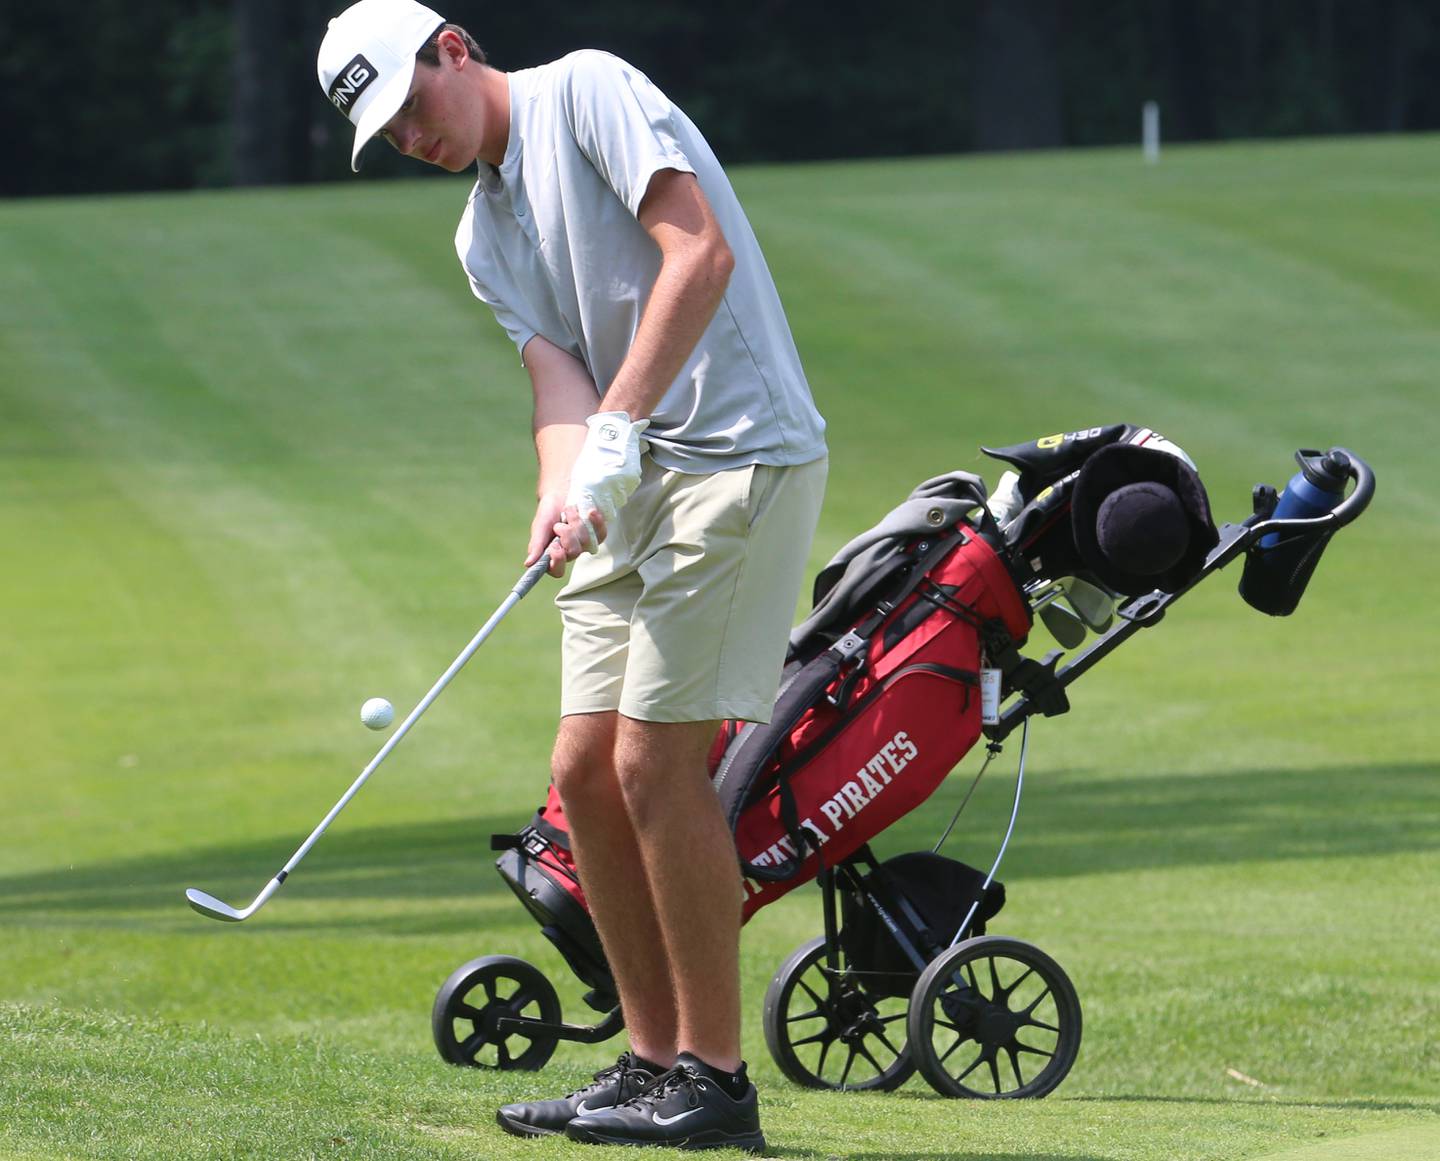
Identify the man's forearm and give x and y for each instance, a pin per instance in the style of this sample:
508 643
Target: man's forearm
695 266
686 295
565 396
556 446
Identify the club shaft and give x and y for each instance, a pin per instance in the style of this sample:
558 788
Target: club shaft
527 582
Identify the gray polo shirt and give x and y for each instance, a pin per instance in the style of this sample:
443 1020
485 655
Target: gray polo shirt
551 244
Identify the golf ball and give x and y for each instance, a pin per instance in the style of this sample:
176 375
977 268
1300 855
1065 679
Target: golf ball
377 713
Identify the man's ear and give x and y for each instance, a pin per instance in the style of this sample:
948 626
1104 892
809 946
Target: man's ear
452 48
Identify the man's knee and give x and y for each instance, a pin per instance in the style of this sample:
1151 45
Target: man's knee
582 765
635 777
654 761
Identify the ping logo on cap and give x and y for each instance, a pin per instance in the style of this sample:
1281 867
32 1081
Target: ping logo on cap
352 80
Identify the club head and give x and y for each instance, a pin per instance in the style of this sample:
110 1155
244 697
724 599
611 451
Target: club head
211 907
1067 628
1092 605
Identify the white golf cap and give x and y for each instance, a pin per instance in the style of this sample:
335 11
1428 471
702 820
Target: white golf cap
367 61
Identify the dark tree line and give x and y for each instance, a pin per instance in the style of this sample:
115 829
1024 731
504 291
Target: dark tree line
106 95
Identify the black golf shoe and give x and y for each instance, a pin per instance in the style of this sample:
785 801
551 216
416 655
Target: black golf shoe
685 1108
612 1086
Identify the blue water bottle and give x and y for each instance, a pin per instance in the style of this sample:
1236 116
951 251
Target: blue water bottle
1280 566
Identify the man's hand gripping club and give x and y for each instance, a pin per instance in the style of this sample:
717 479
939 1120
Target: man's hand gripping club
605 474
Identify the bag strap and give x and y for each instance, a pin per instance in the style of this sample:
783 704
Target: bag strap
755 745
551 834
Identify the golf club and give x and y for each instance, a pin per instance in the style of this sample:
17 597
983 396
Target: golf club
214 908
1062 621
1064 624
1092 605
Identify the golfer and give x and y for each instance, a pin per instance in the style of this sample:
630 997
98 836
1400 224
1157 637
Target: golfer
681 468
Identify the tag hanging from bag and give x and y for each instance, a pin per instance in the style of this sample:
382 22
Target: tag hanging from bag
990 696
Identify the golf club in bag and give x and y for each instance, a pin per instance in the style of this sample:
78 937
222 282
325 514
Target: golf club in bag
918 623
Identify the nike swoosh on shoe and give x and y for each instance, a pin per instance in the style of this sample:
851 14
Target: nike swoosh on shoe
662 1121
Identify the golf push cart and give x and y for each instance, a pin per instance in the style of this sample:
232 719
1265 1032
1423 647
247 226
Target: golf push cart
1097 533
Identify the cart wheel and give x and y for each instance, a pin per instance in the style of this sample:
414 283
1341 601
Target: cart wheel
826 1031
476 996
994 1017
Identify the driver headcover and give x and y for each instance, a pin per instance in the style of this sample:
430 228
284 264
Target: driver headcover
1141 519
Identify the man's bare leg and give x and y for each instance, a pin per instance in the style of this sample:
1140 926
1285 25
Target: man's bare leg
694 880
612 872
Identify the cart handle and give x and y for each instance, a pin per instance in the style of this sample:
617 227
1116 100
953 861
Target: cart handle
1342 514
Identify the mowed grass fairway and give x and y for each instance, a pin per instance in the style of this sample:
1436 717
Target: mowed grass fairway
262 456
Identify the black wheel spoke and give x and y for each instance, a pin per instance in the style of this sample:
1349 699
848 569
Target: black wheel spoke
810 1015
1025 975
1035 1003
1034 1023
824 1036
502 1054
471 1045
974 1064
1015 1066
811 992
522 999
1016 1046
489 985
997 989
463 1011
995 1071
849 1063
865 1052
885 1040
959 1040
824 1052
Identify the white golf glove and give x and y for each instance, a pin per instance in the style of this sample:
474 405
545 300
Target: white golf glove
607 470
1005 501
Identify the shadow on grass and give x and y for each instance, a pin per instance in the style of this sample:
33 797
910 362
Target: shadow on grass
1359 1104
1070 824
444 864
774 1150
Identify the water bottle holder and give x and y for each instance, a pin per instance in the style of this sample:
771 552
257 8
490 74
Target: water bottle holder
1276 576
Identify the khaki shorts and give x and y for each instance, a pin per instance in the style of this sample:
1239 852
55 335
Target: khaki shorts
684 613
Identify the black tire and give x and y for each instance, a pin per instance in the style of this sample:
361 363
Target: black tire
970 1008
807 1013
476 996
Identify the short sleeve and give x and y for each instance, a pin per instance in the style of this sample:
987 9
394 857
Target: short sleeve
623 124
508 310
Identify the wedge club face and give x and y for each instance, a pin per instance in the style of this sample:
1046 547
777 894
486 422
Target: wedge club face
213 908
210 906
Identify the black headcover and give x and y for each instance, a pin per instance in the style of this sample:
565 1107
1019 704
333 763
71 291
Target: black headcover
1141 519
1041 462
